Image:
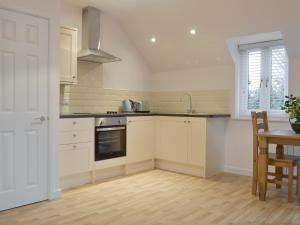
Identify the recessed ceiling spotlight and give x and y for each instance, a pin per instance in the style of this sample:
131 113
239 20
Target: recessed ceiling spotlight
193 31
153 39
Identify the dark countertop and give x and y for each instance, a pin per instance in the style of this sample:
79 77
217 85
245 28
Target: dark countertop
87 115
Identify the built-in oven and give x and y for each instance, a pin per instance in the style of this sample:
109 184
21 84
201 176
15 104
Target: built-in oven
110 138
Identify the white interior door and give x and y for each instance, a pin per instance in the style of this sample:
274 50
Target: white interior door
23 109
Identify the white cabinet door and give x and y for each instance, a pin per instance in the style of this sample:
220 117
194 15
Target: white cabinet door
23 109
77 144
74 158
140 139
197 139
172 139
77 136
68 55
77 124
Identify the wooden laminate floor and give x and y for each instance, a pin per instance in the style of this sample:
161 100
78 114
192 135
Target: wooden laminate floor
160 198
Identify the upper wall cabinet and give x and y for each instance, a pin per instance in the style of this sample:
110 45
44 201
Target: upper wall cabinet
68 55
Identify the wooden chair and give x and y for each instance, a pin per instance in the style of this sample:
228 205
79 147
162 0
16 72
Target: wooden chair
279 159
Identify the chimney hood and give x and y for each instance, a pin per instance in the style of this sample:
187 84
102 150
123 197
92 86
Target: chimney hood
91 49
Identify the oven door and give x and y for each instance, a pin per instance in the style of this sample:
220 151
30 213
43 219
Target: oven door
110 142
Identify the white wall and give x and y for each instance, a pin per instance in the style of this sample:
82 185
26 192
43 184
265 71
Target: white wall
50 10
294 82
238 145
194 79
239 134
238 140
132 73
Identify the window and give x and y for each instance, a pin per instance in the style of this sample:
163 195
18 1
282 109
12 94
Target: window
263 78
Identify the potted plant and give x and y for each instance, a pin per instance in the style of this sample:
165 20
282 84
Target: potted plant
292 107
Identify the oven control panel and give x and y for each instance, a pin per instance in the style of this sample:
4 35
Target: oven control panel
110 121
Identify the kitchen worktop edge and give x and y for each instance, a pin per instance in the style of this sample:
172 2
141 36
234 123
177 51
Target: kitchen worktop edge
206 115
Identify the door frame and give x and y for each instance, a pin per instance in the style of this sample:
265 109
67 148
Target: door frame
53 189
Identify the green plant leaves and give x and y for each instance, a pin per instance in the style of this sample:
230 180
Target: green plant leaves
292 106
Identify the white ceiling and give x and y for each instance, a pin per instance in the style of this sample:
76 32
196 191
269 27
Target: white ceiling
215 20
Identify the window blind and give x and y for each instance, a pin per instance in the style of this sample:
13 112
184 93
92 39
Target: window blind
264 44
279 78
263 80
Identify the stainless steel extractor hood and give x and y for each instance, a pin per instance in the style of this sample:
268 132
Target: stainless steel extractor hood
91 49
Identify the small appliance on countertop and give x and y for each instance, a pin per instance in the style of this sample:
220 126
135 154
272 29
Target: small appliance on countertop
127 105
130 106
138 106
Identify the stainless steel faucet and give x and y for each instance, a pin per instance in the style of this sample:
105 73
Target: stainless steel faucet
190 110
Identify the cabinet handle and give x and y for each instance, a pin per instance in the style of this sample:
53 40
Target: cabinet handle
185 121
74 146
74 135
74 122
189 121
73 77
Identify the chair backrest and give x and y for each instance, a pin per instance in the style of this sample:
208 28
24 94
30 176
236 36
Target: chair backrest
259 123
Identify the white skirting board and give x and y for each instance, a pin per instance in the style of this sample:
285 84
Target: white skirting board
128 169
239 171
54 194
140 166
123 170
179 168
75 180
247 172
104 174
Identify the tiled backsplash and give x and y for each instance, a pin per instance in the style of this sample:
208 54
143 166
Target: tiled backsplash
90 96
208 101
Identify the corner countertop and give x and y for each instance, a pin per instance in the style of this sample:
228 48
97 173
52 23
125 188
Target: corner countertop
88 115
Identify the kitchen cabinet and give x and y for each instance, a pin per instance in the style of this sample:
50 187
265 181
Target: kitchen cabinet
68 55
190 145
181 140
140 139
74 158
197 141
76 149
76 136
172 139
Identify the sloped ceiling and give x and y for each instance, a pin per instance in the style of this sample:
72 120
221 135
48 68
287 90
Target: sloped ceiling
215 20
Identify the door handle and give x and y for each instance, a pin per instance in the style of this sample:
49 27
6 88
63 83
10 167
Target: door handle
41 119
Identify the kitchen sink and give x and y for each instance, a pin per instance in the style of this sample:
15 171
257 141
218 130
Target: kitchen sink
185 113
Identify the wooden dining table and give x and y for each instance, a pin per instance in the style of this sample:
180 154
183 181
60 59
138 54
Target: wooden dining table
278 137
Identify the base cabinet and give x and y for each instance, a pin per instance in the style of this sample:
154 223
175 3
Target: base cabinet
140 139
75 158
197 141
189 145
172 135
183 140
76 149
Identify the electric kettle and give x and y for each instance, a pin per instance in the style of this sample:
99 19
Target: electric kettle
128 105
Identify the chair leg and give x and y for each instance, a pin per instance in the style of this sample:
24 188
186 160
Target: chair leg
290 182
279 170
298 182
254 177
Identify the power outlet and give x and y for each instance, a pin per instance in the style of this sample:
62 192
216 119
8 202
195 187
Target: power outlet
66 101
